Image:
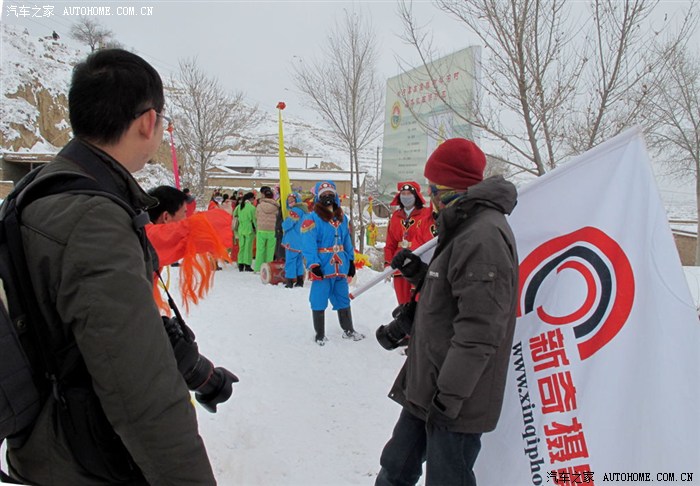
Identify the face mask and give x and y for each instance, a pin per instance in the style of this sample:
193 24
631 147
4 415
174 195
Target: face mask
327 199
408 201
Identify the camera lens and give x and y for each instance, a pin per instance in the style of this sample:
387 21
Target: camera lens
199 375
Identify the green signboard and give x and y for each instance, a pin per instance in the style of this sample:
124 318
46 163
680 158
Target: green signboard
420 114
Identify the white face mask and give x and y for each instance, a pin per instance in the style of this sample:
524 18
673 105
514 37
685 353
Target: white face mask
408 201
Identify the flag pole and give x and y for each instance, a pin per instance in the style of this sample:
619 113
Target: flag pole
176 169
425 247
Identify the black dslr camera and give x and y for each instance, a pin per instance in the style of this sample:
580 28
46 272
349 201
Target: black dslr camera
397 332
212 385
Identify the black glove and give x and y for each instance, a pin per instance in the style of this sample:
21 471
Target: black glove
217 389
407 262
351 270
177 330
316 271
193 367
199 373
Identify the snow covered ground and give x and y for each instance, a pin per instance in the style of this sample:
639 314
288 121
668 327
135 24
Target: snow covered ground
301 414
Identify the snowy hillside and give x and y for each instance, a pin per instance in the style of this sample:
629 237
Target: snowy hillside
35 76
31 63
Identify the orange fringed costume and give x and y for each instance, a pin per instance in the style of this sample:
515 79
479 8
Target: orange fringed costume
197 242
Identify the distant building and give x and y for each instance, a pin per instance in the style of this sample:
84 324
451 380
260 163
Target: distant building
14 166
248 163
252 171
227 179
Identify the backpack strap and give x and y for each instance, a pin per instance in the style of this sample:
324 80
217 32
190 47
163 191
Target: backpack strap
52 365
33 330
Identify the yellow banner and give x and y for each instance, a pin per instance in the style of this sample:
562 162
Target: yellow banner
285 185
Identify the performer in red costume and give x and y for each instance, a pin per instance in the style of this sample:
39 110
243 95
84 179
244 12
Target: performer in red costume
196 242
410 226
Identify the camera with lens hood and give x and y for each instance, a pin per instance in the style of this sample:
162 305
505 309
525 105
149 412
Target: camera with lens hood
397 332
212 385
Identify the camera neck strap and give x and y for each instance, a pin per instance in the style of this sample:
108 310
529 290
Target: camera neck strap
414 292
171 302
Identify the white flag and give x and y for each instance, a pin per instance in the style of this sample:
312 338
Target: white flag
605 368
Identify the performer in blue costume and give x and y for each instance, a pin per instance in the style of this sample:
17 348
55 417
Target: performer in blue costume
291 241
329 254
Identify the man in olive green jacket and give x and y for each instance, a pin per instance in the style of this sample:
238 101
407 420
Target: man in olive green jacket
452 384
94 285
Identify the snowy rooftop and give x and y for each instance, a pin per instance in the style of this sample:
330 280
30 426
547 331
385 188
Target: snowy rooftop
298 175
233 160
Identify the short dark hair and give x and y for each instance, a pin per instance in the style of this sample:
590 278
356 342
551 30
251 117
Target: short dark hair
108 91
169 200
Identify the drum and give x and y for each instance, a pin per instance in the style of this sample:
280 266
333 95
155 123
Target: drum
272 273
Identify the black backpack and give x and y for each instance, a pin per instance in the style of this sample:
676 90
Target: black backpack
29 368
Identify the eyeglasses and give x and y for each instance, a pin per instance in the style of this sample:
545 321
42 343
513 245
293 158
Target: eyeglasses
166 119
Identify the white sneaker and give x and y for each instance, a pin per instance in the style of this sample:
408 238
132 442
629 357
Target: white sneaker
322 341
354 335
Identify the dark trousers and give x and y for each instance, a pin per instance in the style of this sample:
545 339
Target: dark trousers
449 456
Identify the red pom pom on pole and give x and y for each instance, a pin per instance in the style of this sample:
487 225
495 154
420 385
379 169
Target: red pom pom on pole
281 105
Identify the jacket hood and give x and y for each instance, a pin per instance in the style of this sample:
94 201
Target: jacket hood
297 200
494 192
268 205
138 198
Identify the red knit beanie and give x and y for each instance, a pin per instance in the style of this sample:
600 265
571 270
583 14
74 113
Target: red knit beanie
457 163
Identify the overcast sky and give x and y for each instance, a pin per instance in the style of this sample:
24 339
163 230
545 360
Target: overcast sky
250 45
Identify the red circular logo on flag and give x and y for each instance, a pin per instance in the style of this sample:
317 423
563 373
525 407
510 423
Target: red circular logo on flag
607 278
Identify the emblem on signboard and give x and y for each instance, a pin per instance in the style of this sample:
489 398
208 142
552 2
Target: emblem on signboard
395 115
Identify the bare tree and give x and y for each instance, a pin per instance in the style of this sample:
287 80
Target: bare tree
111 44
207 120
526 43
675 120
344 89
90 32
550 89
621 80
